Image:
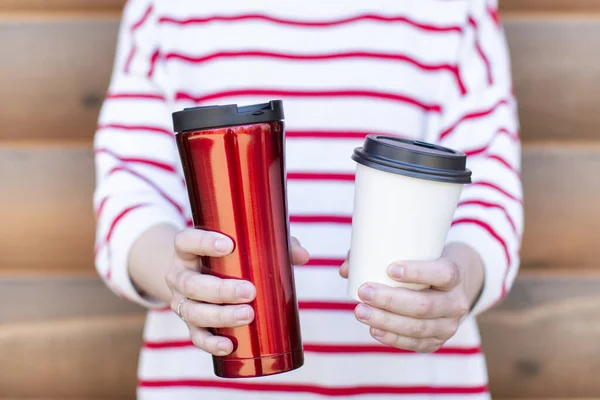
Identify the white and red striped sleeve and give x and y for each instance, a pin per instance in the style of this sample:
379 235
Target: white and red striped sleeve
483 123
138 181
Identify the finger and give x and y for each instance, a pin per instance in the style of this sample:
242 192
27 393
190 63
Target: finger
191 243
344 269
441 328
442 273
300 255
412 303
428 345
205 315
208 288
215 345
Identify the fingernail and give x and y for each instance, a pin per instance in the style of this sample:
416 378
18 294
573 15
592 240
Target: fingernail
223 346
366 293
377 333
244 291
363 312
223 245
396 271
242 314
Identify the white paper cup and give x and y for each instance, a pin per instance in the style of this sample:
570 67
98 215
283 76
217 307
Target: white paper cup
406 194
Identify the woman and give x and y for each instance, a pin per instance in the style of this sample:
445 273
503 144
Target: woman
433 70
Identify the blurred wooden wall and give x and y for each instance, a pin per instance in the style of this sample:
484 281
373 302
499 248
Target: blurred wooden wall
64 336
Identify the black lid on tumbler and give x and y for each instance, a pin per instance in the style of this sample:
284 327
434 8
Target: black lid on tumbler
413 158
201 118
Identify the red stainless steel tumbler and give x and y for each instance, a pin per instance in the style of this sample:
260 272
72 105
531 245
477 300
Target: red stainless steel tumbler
234 167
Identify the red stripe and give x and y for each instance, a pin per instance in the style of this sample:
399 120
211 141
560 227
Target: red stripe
496 237
311 24
129 59
174 344
134 160
309 305
453 69
330 348
133 28
514 136
486 62
332 134
496 188
379 349
101 207
475 152
323 262
479 49
316 93
119 217
142 20
312 57
349 177
501 131
321 219
473 115
153 129
502 161
493 13
326 305
495 157
320 176
313 389
149 182
111 229
153 60
487 204
135 96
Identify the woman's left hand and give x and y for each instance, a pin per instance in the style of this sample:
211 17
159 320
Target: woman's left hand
421 321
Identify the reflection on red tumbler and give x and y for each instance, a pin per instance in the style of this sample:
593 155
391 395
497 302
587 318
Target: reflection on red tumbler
235 174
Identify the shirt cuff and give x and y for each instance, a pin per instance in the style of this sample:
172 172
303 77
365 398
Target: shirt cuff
493 259
130 228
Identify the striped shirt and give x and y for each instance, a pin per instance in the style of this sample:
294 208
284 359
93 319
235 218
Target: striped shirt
433 70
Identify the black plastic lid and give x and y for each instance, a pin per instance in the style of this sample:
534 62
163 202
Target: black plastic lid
201 118
413 158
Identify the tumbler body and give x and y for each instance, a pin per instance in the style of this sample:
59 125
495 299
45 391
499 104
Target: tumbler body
236 182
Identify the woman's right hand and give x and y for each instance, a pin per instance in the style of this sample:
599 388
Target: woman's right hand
211 302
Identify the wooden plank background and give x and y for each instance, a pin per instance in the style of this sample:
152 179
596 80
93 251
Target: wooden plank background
548 6
542 342
60 341
555 65
61 5
54 92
